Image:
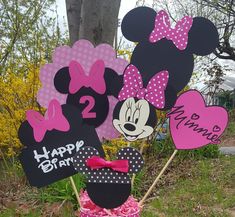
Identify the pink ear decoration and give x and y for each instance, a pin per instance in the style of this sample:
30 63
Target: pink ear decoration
54 119
133 87
178 35
95 80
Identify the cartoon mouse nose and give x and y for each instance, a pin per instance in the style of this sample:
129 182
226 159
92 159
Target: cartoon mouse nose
129 127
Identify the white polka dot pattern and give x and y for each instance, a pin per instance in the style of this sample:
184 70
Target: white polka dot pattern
178 35
107 175
79 160
85 53
133 87
136 161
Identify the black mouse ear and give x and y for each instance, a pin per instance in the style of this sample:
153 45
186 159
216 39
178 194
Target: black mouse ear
170 98
80 158
135 159
138 24
203 37
25 134
62 80
113 81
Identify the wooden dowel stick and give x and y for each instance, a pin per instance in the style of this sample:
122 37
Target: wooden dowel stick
75 190
157 179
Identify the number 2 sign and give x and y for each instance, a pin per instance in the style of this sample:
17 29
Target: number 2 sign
87 113
86 92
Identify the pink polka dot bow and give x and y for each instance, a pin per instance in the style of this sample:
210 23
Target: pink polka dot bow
178 35
133 87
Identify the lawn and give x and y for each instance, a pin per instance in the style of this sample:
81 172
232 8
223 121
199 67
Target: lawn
204 187
208 191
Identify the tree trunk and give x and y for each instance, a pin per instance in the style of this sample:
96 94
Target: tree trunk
98 20
73 8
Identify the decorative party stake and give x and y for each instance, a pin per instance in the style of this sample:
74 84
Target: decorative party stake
158 178
193 125
75 190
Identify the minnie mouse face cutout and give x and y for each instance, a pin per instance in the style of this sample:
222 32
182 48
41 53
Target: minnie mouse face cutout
161 47
108 182
135 115
51 142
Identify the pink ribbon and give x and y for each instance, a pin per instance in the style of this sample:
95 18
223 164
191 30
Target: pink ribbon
96 162
129 209
133 87
94 80
178 35
54 119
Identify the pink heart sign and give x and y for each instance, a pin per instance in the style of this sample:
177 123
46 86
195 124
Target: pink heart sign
193 124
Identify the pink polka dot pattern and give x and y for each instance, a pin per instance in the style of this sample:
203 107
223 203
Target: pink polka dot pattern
133 87
179 34
86 54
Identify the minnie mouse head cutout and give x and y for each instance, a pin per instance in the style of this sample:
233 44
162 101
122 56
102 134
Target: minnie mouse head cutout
108 182
51 141
161 66
163 48
84 76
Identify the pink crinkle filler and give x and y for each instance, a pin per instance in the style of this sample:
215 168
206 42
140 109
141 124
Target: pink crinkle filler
88 209
86 54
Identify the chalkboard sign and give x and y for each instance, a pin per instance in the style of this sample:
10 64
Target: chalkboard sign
49 158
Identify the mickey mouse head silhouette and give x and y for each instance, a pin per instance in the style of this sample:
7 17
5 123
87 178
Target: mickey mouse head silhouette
89 93
161 47
108 182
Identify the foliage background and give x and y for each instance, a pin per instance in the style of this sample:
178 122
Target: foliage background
29 32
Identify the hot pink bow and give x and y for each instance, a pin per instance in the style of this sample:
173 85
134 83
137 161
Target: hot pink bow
179 34
96 162
133 87
95 79
54 119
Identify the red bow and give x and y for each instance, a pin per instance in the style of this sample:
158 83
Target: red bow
96 162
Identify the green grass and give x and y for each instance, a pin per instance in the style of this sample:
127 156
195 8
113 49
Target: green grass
209 191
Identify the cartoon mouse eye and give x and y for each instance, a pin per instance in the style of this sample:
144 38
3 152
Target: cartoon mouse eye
136 116
128 114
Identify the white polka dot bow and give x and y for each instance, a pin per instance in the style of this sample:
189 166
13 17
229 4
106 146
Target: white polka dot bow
178 35
133 87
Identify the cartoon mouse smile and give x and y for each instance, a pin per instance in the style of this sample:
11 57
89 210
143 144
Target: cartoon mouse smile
134 116
133 120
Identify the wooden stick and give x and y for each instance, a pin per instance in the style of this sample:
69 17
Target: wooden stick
75 190
157 179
